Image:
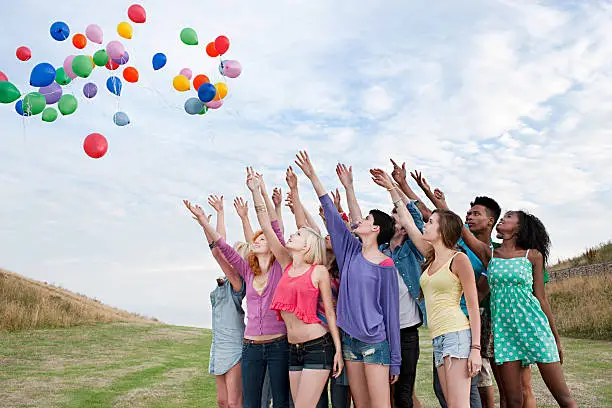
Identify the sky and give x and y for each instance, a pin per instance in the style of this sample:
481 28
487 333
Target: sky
510 99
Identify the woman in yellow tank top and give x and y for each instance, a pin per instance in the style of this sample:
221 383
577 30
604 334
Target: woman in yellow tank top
447 274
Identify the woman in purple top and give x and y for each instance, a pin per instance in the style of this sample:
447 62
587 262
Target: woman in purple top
368 299
265 346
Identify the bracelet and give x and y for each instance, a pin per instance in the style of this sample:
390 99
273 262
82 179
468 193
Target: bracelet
396 203
212 245
392 188
344 216
475 347
260 207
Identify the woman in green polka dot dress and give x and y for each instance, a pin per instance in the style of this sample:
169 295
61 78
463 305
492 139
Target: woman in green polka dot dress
523 328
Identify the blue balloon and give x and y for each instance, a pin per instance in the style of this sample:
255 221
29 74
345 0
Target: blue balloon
159 61
59 31
193 106
19 108
113 84
121 119
42 75
207 92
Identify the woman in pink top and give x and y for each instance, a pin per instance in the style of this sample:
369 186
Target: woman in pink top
311 353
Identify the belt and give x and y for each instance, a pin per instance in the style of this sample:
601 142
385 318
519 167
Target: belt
274 340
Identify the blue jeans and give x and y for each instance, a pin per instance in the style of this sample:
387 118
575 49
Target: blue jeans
257 359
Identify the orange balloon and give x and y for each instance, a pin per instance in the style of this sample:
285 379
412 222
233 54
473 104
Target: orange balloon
93 64
130 74
199 80
79 41
211 50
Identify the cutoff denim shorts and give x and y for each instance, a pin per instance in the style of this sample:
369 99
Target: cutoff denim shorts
317 354
455 344
356 350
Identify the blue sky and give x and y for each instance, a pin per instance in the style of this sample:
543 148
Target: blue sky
512 99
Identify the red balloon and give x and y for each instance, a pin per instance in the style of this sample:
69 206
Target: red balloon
137 13
211 50
130 74
222 44
23 53
3 77
95 145
111 65
79 41
199 80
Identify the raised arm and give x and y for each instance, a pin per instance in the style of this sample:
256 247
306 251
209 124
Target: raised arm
242 208
266 198
399 175
301 215
217 203
277 199
418 177
346 178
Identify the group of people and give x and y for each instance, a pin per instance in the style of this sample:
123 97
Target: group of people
341 312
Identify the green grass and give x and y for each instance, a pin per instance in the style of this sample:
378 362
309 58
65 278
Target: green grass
133 365
600 253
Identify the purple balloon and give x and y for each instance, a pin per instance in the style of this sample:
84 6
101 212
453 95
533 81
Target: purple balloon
115 49
187 72
123 60
52 93
90 90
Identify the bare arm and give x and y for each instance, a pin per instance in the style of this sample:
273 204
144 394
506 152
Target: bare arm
277 199
418 177
322 276
346 178
399 175
303 162
242 208
217 203
269 205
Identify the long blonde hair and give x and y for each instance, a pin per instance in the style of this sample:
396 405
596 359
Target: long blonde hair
316 252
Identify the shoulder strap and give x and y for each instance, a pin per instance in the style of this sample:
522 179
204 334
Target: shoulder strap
450 261
527 254
288 266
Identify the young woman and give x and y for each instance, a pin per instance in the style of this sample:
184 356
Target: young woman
312 355
447 274
524 331
368 306
265 347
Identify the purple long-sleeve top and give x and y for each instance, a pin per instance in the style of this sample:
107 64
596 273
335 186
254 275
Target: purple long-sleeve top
261 321
368 297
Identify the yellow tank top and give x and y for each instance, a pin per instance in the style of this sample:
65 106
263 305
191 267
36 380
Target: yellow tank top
442 292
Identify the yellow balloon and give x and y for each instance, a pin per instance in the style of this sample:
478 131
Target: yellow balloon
221 89
181 83
125 30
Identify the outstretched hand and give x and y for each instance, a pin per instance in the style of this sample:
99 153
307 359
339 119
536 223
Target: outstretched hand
254 180
216 202
418 177
399 173
382 178
291 178
337 200
198 213
303 162
277 196
345 174
242 207
289 202
439 194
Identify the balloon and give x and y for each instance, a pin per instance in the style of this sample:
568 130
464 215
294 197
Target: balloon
111 65
3 76
67 104
52 93
94 33
95 145
49 115
181 83
23 53
79 41
68 66
211 50
123 59
59 31
100 58
199 80
8 92
90 90
124 29
19 108
189 36
159 60
203 111
130 74
43 74
207 92
230 69
113 84
193 106
137 13
187 72
61 77
121 119
34 103
215 104
81 66
115 49
222 44
221 89
93 64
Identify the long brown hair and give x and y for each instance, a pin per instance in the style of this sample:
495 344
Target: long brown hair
254 262
450 226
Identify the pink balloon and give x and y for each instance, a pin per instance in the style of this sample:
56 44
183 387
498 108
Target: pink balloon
231 68
214 104
187 72
115 49
68 66
3 77
94 33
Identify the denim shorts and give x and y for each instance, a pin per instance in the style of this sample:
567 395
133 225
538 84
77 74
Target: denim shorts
356 350
454 344
317 354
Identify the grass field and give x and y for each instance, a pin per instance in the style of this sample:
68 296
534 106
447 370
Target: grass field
143 365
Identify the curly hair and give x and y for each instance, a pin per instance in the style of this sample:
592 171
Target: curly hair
254 262
493 209
532 234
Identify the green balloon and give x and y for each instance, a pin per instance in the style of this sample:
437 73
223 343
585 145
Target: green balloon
61 77
100 58
189 36
203 111
67 103
34 103
8 92
49 115
81 66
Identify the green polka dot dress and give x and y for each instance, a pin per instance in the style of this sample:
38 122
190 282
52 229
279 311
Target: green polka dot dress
521 331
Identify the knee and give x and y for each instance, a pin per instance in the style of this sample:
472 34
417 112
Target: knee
233 404
527 392
222 402
514 400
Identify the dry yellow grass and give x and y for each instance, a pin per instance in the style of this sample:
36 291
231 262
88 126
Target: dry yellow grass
582 306
29 304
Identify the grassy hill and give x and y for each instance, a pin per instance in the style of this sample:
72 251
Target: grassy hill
598 254
29 304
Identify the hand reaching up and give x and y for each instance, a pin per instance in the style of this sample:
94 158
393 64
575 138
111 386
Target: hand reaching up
290 203
198 213
303 162
242 207
291 178
216 203
418 177
382 178
277 197
345 174
254 180
399 173
337 200
439 195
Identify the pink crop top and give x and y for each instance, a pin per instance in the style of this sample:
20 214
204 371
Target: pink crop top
297 295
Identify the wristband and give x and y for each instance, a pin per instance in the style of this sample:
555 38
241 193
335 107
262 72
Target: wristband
475 347
397 203
212 245
344 216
